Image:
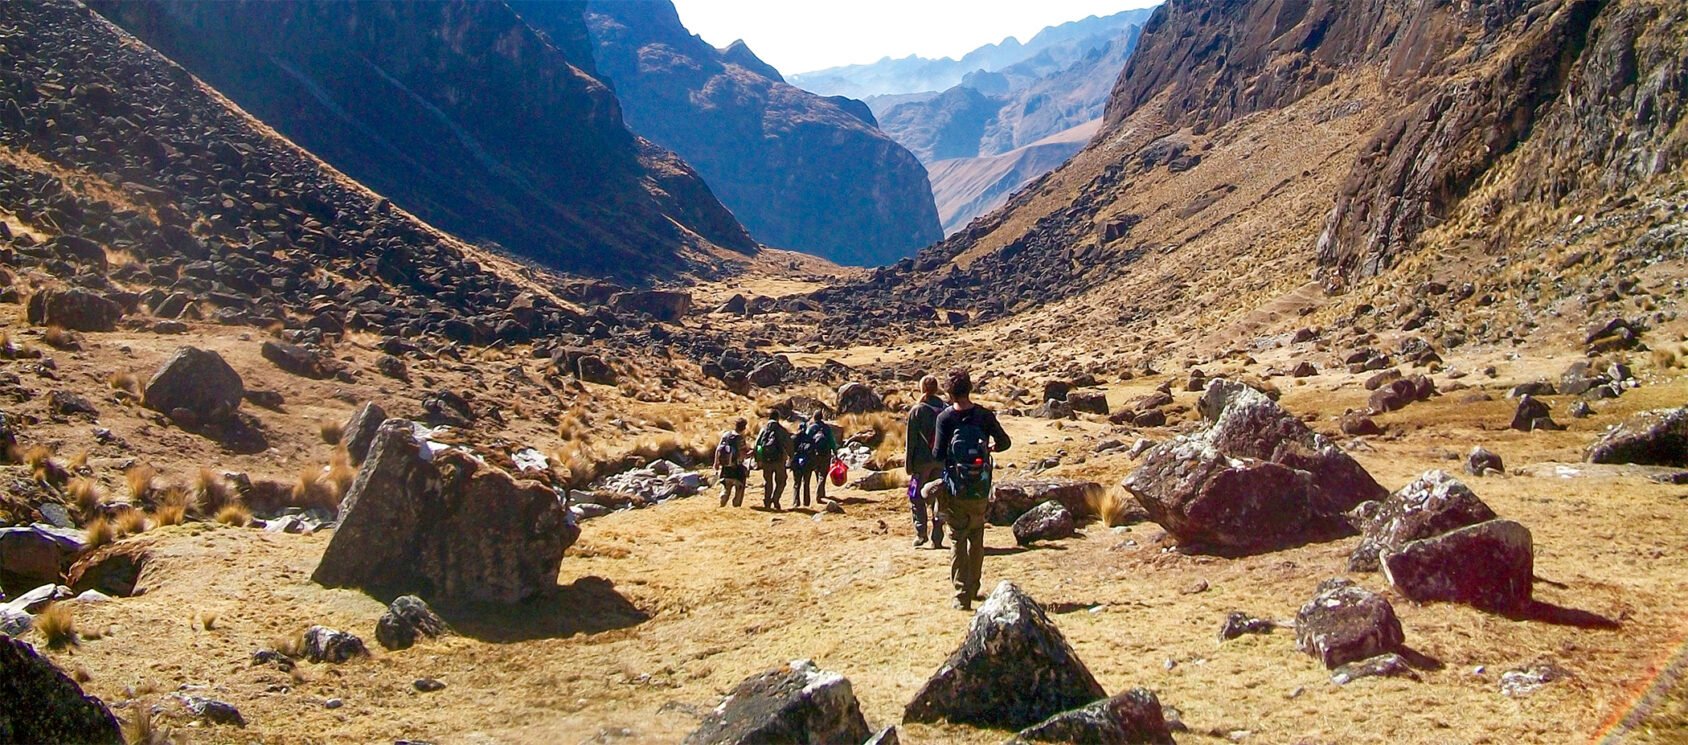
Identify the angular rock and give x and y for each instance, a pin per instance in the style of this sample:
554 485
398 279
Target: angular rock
666 306
38 553
75 309
1015 497
1653 438
1389 665
113 569
1359 425
1431 505
359 431
197 381
1013 670
213 711
1489 565
306 360
448 528
1053 409
39 598
408 618
1134 717
1532 414
44 705
767 375
1204 498
1304 369
323 644
1088 402
794 703
1480 462
591 368
859 398
1049 521
1344 623
1238 623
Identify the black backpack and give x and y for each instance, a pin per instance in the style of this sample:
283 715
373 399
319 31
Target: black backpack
968 474
768 445
727 453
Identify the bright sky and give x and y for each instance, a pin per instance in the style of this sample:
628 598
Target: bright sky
798 36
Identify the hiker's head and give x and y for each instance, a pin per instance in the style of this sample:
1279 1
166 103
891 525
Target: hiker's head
815 417
929 385
958 384
740 424
774 416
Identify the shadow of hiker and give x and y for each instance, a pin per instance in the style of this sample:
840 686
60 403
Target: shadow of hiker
1007 550
589 605
851 500
1559 615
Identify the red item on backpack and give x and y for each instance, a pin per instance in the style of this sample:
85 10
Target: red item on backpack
838 473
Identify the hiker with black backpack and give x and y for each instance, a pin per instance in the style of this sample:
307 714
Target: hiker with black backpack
773 452
922 468
815 446
967 435
729 463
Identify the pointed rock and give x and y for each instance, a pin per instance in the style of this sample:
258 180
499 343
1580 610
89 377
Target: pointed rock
359 431
1130 718
1013 670
794 703
44 705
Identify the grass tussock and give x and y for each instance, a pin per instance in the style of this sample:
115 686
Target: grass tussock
140 478
127 385
84 494
1116 507
292 645
1664 359
576 426
140 729
340 473
59 338
132 522
172 512
320 488
234 515
100 532
207 620
57 626
890 441
42 467
210 493
331 431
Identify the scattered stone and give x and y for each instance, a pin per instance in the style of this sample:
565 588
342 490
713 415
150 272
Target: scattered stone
198 382
1088 402
1652 438
74 309
1580 410
1389 665
1013 498
1430 505
38 553
1489 565
408 618
1050 521
1013 670
1481 462
1130 718
1345 623
450 527
796 703
392 367
323 644
1359 425
1526 681
38 599
1053 409
859 398
212 710
591 368
307 360
428 685
333 703
1304 369
65 403
1238 623
1533 389
45 705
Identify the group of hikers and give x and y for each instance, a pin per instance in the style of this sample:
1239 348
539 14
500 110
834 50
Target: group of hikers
948 459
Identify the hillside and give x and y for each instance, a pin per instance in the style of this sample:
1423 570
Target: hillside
969 187
510 143
800 171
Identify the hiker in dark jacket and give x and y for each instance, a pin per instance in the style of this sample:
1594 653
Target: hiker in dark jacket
967 435
729 463
773 455
815 446
918 461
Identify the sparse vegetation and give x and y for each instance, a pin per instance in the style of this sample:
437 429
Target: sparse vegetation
331 431
84 494
140 479
234 515
42 467
127 385
100 532
57 626
170 513
210 493
59 338
208 620
132 522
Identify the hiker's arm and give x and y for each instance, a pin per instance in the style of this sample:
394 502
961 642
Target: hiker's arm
940 444
998 435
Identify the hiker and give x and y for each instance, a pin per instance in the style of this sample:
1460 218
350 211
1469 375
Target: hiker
967 435
815 446
918 461
773 451
729 463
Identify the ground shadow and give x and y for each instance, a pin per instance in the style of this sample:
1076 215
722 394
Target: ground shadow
589 605
1006 551
1064 607
852 500
1559 615
1419 660
241 434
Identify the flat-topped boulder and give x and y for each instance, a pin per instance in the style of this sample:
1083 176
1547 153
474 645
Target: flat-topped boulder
1015 497
1346 623
1651 438
1489 565
793 703
1431 505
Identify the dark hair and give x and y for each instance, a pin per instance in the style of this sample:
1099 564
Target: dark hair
958 384
739 424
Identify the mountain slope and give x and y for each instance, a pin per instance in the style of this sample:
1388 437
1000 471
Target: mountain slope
458 111
800 171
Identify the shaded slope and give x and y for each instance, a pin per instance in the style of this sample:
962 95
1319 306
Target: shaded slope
966 188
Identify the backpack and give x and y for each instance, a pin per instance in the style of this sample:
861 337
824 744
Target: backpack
768 445
968 474
727 453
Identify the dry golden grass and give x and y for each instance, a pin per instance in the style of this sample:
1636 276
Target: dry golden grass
207 620
234 515
57 626
891 441
331 431
42 467
100 532
84 494
318 488
127 385
1114 506
340 473
171 512
58 338
292 645
1664 359
210 493
139 728
132 522
576 426
140 478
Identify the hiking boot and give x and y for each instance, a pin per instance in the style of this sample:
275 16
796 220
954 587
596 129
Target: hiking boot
960 604
919 541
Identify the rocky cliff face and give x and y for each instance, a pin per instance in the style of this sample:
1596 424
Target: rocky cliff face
800 171
461 113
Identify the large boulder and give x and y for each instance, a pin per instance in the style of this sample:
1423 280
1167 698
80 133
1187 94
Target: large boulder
1490 565
1013 670
1653 438
859 398
196 381
667 306
1049 521
45 705
407 619
1134 717
31 555
1431 505
1088 402
75 309
1015 497
308 360
794 703
445 526
1346 623
1255 478
359 431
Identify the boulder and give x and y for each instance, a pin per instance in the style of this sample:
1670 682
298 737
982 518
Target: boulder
1053 409
1431 505
45 705
1206 499
1013 670
34 554
196 381
1130 718
75 309
1015 497
1490 565
591 368
408 618
1238 623
359 431
1049 521
114 569
323 644
794 703
1481 462
38 599
1579 378
1304 369
1653 438
1359 425
307 360
1246 423
1056 390
767 375
1532 414
450 527
666 306
859 398
213 711
1345 623
1088 402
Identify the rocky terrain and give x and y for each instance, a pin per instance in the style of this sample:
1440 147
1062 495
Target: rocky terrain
1347 408
800 171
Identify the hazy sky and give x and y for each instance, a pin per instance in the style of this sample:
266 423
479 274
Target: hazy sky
805 35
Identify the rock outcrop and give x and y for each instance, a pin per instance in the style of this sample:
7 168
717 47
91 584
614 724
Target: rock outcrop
795 703
45 705
447 527
1654 438
1014 669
